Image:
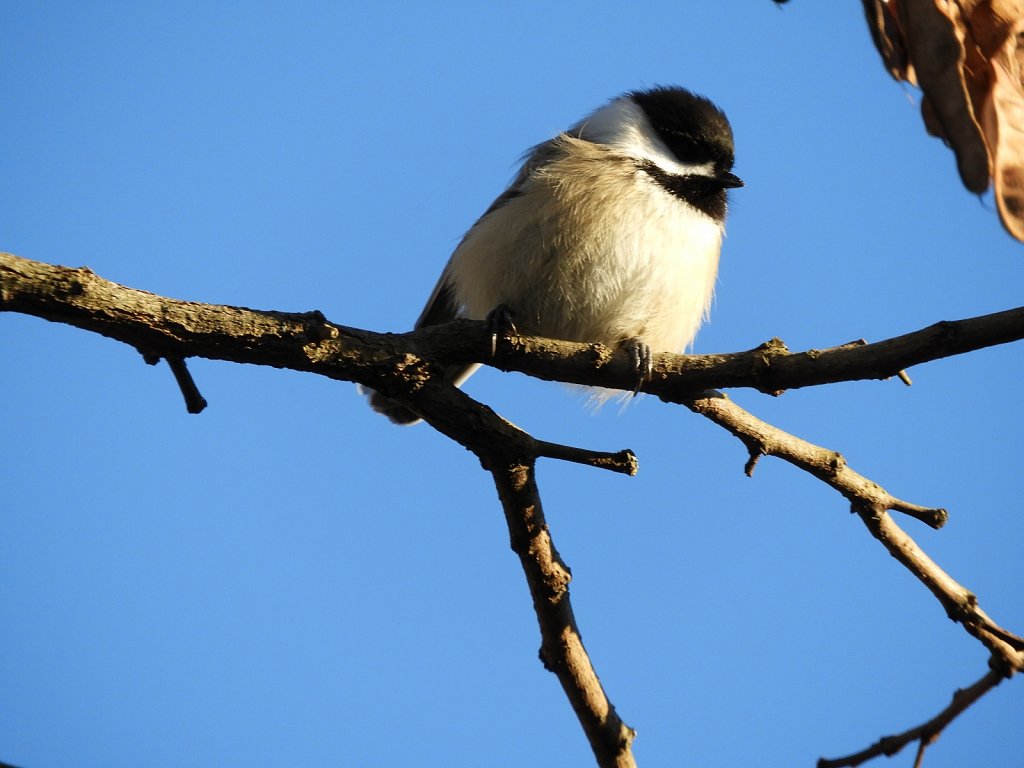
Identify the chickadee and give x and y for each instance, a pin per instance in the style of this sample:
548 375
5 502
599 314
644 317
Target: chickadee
610 233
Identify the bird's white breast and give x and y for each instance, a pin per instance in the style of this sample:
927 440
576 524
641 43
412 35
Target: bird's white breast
592 249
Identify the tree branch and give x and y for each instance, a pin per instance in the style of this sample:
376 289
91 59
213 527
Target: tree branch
762 439
871 502
770 368
407 367
562 650
925 733
395 363
624 462
194 400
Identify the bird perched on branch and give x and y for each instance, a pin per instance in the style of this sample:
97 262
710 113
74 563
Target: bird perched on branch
610 232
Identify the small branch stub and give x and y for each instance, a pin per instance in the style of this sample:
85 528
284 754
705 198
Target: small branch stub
194 400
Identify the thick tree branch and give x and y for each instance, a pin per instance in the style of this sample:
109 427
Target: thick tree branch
770 368
307 342
562 650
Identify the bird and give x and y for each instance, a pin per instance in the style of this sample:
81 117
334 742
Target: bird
610 232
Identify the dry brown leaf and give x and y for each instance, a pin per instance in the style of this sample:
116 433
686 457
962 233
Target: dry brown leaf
934 38
968 58
1003 121
885 33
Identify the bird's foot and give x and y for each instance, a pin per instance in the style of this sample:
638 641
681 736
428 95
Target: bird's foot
499 320
642 359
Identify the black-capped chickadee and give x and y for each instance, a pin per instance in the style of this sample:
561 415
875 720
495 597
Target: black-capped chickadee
610 233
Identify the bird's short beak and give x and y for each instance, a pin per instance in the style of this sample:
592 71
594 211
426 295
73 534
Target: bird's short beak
728 180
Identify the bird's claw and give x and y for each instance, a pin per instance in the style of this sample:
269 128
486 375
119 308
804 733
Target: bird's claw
499 320
642 359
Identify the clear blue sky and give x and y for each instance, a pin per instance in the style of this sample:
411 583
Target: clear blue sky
287 579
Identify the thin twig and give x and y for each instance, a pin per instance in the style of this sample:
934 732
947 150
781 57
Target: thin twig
624 461
961 604
763 439
194 400
870 501
925 733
